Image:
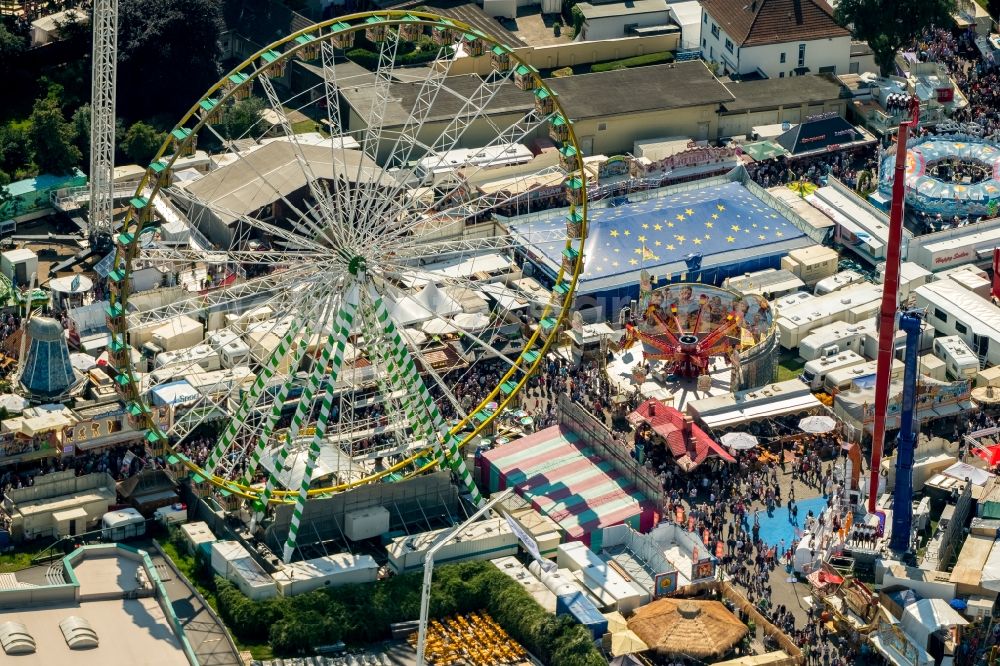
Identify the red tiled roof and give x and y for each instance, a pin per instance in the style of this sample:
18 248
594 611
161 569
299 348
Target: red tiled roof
705 446
760 22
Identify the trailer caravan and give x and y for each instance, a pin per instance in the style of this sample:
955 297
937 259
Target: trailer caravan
953 310
960 362
850 305
869 343
201 355
814 373
844 379
837 282
770 283
122 524
233 352
835 338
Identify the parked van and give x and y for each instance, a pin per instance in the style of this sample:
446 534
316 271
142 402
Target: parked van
172 514
814 373
122 524
960 362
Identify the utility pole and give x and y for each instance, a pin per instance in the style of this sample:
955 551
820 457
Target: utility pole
102 124
425 592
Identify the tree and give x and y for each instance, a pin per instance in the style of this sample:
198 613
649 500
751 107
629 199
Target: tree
15 147
11 46
52 138
888 25
141 142
241 117
168 54
81 127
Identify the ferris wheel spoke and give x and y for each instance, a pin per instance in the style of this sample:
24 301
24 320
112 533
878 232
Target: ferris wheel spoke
333 355
293 239
473 107
413 248
372 133
316 188
235 292
205 406
308 223
454 197
176 255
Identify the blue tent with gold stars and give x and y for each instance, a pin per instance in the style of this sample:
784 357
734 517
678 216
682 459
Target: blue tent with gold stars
732 230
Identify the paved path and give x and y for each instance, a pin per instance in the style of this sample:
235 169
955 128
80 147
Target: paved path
207 637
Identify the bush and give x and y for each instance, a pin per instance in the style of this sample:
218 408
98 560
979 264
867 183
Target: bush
657 58
361 614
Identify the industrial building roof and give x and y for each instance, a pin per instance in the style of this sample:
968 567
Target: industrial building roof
761 22
447 105
655 88
792 91
614 9
271 171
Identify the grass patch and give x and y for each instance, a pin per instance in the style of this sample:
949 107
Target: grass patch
789 366
656 58
11 562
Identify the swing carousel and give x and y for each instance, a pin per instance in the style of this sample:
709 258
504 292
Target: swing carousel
693 332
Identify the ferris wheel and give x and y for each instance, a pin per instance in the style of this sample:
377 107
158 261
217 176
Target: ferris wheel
339 261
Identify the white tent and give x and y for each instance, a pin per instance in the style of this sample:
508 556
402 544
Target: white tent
424 305
926 616
14 404
438 327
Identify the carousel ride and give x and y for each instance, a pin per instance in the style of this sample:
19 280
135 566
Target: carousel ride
683 326
323 290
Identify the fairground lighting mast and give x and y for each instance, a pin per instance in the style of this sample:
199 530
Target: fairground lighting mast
102 123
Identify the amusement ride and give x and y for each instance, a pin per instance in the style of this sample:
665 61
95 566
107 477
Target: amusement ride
345 271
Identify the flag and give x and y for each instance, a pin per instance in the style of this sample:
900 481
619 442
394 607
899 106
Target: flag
647 254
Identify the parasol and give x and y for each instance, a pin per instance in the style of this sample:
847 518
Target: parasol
739 441
818 424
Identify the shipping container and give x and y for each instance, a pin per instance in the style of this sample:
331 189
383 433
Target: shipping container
541 528
234 563
366 523
179 333
583 611
330 571
196 534
485 540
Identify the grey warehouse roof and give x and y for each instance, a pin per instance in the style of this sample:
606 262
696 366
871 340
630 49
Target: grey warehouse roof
655 88
793 91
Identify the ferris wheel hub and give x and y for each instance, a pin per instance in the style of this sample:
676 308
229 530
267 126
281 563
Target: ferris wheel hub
357 264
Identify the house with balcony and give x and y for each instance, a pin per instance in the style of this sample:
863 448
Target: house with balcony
773 38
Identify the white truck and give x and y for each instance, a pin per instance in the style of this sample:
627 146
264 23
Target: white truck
960 361
172 514
814 373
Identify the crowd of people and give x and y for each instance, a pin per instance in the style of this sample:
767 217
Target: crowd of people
845 166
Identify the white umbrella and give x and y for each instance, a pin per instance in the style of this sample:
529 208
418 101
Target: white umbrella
14 404
438 327
472 321
739 441
818 424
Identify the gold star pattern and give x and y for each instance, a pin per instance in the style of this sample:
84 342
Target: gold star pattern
709 224
633 262
680 218
658 227
614 264
730 239
720 207
762 236
671 246
735 227
689 212
614 233
778 234
754 226
708 237
715 216
670 224
657 243
638 250
628 233
642 239
645 226
696 241
680 239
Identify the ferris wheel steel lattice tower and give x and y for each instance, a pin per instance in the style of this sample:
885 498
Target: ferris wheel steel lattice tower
100 222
